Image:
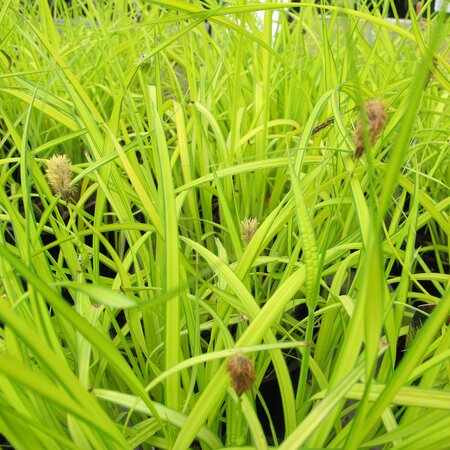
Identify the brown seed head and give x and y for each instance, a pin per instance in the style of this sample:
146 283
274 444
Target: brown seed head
242 372
430 74
375 121
248 229
59 176
419 6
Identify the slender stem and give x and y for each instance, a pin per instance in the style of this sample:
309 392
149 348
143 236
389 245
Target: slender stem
304 365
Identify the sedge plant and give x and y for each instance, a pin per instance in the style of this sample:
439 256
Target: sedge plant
217 226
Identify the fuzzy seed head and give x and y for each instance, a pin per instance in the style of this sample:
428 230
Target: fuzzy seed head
430 74
242 372
419 6
59 176
248 229
375 121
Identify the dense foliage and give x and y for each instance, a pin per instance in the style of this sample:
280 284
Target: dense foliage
223 229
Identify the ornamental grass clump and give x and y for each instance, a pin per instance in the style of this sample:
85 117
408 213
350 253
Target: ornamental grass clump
374 123
59 176
242 372
123 308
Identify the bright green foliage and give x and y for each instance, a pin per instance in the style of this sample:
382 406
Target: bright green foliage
122 299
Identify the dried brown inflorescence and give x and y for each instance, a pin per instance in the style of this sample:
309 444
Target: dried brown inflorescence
419 6
59 176
248 229
422 21
375 122
242 372
430 74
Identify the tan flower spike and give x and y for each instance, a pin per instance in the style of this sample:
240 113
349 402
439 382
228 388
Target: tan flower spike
248 229
375 122
242 372
59 176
